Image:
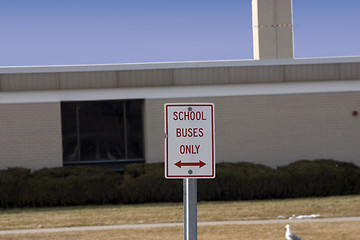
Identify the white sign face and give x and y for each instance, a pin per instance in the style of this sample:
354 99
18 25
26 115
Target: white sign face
190 140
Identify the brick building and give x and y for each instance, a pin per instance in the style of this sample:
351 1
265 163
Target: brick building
267 111
272 110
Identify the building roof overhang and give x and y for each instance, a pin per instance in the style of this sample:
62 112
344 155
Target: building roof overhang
175 65
230 90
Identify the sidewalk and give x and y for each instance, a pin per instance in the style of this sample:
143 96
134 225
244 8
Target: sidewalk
161 225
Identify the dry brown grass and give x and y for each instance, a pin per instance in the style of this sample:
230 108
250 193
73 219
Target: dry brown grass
212 211
345 206
159 213
90 216
308 231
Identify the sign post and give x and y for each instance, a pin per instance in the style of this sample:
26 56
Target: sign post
190 209
189 152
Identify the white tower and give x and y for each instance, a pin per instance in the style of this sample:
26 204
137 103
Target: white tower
272 29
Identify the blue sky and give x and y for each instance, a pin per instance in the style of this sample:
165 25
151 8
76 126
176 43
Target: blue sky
70 32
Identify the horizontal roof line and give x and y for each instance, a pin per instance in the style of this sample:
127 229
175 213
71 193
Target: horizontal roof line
173 65
230 90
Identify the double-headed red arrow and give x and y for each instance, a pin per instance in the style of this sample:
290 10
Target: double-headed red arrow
199 164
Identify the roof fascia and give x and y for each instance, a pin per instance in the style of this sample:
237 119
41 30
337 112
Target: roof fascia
174 65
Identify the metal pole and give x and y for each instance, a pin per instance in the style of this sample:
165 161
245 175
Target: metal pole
190 209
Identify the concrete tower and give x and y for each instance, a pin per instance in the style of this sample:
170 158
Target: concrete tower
272 29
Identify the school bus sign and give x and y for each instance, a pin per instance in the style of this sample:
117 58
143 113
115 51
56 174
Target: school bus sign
190 140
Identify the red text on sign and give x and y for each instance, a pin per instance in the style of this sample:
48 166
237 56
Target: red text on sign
189 149
188 115
189 132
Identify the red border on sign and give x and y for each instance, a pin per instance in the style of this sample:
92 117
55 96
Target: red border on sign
212 139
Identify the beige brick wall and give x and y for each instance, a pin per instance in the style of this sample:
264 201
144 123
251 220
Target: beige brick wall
30 135
274 129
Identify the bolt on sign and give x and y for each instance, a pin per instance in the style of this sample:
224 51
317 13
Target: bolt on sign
190 140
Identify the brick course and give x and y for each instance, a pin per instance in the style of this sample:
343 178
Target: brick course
272 129
30 135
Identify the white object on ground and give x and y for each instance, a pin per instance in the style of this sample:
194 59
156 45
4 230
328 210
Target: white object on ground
304 216
308 216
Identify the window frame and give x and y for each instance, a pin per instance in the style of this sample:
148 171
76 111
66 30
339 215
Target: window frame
77 160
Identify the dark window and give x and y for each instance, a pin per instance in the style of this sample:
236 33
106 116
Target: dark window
102 131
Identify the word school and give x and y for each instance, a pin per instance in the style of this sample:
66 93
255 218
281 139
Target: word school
185 115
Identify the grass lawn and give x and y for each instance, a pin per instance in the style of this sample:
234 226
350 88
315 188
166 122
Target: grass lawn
344 206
